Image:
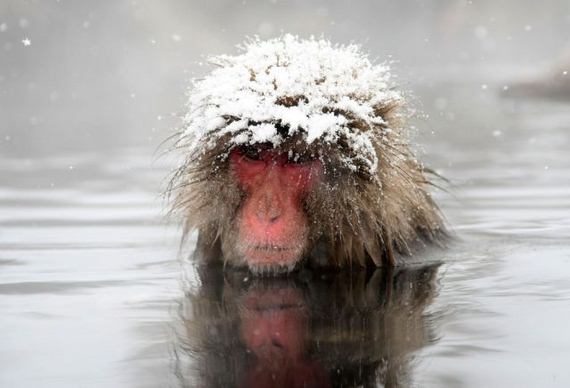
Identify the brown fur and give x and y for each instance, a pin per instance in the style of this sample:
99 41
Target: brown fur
354 218
361 327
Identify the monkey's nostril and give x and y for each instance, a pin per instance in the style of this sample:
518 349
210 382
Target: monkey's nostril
268 218
267 211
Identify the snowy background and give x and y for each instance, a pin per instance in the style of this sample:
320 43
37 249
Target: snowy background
88 75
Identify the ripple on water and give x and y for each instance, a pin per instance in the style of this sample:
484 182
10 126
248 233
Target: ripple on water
90 290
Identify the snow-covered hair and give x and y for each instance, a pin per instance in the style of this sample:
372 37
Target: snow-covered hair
323 92
330 101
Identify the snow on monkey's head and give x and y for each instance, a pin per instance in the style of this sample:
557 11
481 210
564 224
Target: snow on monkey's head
294 145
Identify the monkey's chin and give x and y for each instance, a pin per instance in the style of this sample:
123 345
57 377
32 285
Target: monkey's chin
268 261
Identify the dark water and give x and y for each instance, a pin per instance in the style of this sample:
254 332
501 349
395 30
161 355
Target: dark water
310 330
92 292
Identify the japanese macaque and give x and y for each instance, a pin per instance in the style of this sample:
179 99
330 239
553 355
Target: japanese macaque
338 329
296 153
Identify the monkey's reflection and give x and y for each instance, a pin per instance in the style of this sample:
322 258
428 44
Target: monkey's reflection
307 330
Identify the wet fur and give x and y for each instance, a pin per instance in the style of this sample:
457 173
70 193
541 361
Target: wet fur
354 218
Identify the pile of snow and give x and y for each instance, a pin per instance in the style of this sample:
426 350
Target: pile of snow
244 96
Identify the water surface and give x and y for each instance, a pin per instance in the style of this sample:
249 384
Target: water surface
92 292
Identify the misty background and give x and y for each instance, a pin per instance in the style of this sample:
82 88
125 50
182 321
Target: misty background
90 274
101 75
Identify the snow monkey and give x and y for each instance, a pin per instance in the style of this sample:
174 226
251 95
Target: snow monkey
296 153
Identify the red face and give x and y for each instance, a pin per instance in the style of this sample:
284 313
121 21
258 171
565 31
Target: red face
274 325
272 227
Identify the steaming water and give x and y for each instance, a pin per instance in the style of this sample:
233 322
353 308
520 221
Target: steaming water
91 291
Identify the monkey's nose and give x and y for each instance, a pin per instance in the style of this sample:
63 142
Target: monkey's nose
269 209
274 218
268 215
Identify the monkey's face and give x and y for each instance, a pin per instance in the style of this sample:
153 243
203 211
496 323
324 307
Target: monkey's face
272 228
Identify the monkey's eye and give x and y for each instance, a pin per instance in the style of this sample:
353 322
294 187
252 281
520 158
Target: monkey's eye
300 158
251 153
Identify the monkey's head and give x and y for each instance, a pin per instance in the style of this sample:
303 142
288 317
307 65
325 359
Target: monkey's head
296 150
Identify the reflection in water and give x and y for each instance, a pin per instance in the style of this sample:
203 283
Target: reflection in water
307 330
88 276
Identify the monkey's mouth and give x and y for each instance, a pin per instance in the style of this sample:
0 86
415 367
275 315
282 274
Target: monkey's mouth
272 248
272 257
